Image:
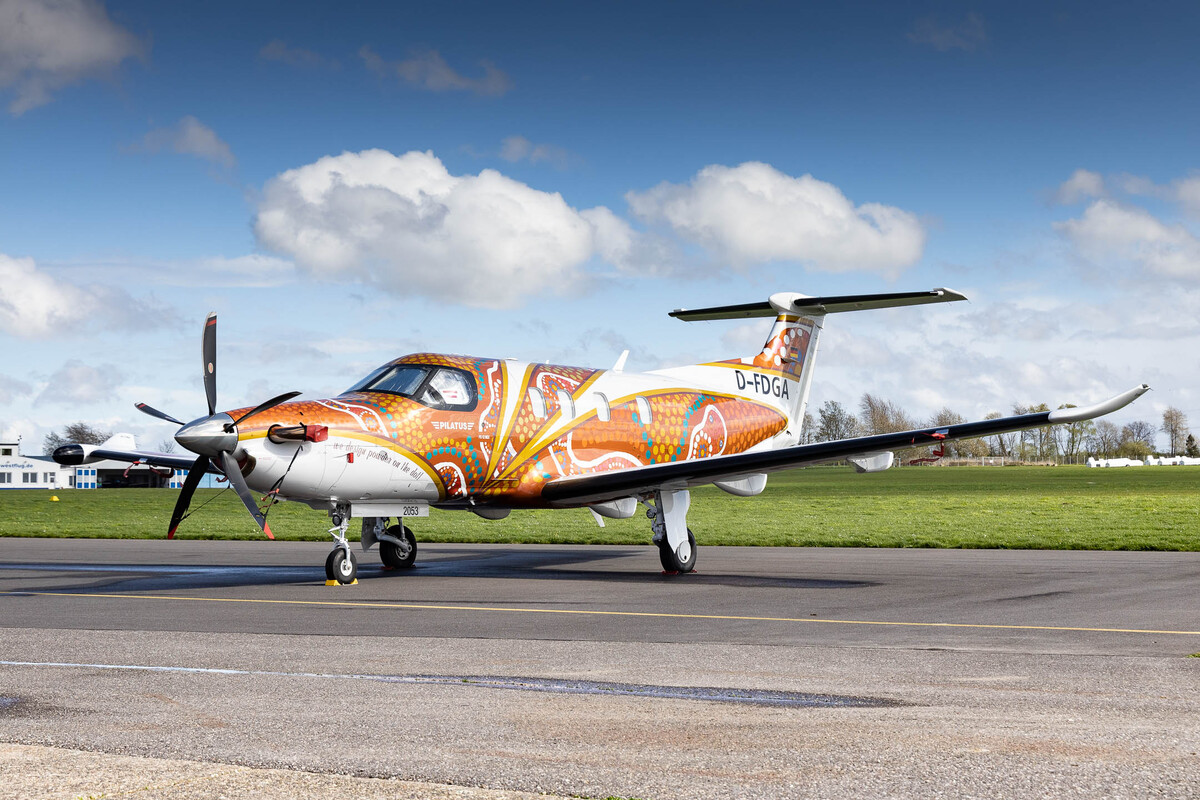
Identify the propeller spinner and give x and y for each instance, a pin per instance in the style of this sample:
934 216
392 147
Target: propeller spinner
213 438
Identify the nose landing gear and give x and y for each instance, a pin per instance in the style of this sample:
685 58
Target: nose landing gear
341 567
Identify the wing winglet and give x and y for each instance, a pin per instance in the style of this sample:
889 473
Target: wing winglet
1110 405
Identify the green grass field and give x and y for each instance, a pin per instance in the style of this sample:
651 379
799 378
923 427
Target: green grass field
1151 508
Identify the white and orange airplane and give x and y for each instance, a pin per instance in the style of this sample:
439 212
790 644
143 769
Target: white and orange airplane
491 434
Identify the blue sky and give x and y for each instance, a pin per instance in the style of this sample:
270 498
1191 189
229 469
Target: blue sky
547 180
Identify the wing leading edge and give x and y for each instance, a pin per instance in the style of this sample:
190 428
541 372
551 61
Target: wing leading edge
72 455
601 486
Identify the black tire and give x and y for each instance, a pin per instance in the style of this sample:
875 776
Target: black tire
343 565
670 561
394 556
330 575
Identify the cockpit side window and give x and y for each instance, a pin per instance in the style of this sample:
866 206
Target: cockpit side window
401 379
449 389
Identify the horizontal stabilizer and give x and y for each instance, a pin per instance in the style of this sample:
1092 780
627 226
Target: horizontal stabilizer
803 305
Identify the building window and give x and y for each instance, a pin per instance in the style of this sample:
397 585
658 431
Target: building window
48 477
28 477
643 406
71 481
566 407
5 477
537 403
602 411
6 451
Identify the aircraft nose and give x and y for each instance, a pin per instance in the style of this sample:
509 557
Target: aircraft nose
208 436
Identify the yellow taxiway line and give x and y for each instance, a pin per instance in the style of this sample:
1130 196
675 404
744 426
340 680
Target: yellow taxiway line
597 613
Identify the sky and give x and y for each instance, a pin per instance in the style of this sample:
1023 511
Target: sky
546 181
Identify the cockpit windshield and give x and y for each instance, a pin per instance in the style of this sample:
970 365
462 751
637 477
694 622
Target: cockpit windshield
436 387
402 379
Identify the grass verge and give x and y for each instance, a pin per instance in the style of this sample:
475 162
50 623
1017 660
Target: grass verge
1152 508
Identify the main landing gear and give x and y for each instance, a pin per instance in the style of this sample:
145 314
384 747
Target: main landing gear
397 545
667 512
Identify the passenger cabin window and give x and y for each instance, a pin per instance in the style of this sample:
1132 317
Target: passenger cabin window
537 403
643 406
566 406
602 411
444 388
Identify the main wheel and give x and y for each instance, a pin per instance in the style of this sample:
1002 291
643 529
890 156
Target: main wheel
399 556
671 561
341 566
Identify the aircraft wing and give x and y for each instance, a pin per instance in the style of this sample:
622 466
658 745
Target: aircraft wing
72 455
601 486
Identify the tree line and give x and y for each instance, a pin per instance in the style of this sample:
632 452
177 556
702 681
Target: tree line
1068 444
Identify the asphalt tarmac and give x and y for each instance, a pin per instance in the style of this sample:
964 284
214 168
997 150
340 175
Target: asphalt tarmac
585 671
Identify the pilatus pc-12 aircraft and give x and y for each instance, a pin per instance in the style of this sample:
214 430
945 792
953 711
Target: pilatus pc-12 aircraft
491 434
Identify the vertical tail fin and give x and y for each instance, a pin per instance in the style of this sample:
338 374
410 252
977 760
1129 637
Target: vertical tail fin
791 348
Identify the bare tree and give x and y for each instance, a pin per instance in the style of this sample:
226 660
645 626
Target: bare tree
882 416
808 433
1002 444
1037 443
835 422
1074 437
1106 440
1175 426
166 446
1140 431
75 433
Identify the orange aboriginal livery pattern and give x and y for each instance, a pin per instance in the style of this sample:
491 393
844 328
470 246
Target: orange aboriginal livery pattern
785 350
503 449
683 425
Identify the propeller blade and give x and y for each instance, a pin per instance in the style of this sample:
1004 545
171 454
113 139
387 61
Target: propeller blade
230 467
274 401
199 467
209 348
154 412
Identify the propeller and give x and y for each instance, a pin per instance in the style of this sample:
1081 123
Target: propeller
214 438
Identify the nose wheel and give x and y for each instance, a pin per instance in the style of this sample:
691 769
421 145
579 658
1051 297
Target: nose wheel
341 566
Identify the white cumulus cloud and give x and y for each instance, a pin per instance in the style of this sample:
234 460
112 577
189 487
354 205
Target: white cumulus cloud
190 137
77 383
1111 233
405 224
1082 185
11 388
753 213
48 44
36 305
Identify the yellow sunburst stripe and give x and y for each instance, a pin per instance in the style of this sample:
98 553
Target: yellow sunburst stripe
500 442
540 434
517 464
545 434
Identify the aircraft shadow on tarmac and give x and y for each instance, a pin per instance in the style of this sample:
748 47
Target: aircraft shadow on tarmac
568 564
